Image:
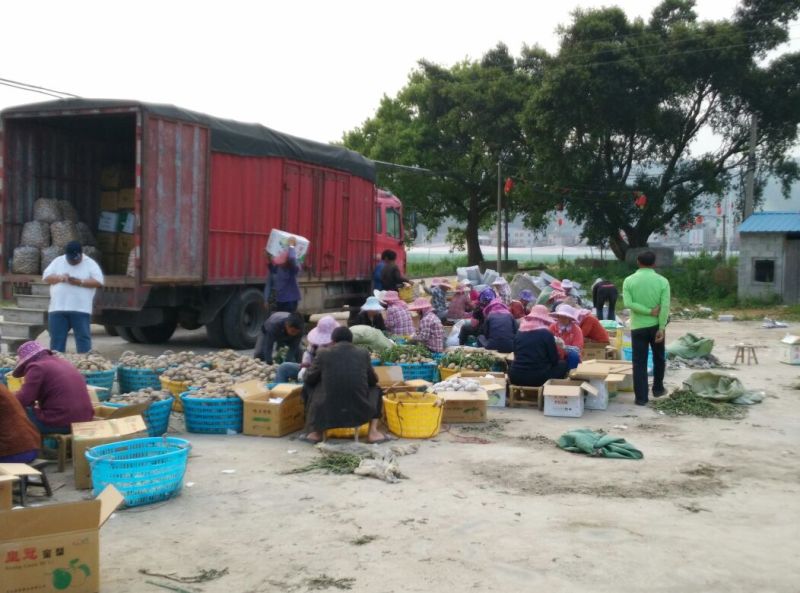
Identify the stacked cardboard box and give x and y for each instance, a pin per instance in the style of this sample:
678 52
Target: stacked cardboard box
117 223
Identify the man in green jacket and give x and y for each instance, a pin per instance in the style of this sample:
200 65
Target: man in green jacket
646 294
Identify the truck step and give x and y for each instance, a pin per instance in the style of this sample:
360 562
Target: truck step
20 331
29 301
29 316
40 289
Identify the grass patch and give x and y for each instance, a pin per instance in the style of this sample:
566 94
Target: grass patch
686 403
446 266
325 582
333 463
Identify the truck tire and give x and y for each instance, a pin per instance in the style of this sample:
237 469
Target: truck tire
243 317
126 334
216 333
155 334
111 330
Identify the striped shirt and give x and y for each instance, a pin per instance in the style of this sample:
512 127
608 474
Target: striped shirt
398 320
431 332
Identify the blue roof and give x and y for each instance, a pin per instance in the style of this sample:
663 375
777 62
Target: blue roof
772 222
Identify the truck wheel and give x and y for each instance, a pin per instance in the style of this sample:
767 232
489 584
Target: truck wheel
155 334
243 317
126 334
111 330
216 333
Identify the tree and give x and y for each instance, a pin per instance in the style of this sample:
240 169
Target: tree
622 105
457 123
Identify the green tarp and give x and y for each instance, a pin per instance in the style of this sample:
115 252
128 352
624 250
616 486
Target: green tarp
597 444
369 337
690 346
720 387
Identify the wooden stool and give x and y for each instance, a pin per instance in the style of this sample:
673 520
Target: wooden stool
40 481
741 349
520 396
63 449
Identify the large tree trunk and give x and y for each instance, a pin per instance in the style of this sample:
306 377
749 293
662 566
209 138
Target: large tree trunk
635 238
618 246
474 254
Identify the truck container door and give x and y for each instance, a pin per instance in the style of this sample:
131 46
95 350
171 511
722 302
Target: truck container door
174 201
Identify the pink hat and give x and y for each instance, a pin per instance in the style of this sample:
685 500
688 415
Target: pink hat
556 285
390 296
321 335
583 314
27 352
564 310
538 318
421 304
441 282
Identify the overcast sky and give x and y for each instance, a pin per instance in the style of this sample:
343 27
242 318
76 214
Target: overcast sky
310 68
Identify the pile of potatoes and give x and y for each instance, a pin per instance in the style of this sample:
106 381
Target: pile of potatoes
132 360
90 362
143 396
243 368
186 357
8 361
185 373
214 391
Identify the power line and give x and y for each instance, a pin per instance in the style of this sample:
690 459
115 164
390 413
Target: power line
35 88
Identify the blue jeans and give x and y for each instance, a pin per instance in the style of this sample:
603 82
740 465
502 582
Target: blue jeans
286 371
44 428
60 322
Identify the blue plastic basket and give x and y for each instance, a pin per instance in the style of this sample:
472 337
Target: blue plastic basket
427 371
627 354
143 470
104 379
156 416
212 416
3 372
133 379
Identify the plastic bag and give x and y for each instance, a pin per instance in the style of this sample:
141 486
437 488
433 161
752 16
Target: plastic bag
26 260
49 254
489 276
46 210
452 339
68 211
85 235
364 335
35 234
471 273
63 232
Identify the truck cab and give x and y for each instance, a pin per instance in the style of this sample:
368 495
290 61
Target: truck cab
389 227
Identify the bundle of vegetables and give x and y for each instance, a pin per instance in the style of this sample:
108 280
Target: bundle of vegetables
456 384
406 354
143 396
468 359
89 362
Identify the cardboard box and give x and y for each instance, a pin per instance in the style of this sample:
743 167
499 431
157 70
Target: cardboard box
390 379
126 224
495 385
107 243
125 244
102 412
54 547
110 176
270 413
86 435
791 349
108 222
109 201
6 491
10 473
462 407
594 350
565 398
126 199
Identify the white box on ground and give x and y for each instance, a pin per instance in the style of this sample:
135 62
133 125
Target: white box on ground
791 352
278 244
563 397
108 222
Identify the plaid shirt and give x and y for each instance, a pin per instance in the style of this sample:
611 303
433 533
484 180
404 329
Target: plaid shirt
431 332
438 300
398 320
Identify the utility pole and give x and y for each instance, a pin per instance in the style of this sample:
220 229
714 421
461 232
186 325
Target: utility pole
506 231
750 180
724 249
499 216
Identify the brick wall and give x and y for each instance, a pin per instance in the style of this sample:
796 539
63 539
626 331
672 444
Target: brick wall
761 246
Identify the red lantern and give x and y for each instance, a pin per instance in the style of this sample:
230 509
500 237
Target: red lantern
641 200
719 209
699 220
560 221
509 185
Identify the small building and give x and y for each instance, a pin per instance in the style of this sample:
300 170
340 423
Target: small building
769 256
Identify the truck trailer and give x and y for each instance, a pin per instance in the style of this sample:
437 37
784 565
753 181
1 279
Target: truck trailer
182 205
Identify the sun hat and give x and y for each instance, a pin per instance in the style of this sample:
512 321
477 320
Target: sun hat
538 318
420 304
556 285
487 296
564 310
73 251
583 314
525 295
372 304
27 352
499 281
566 284
321 335
441 282
391 296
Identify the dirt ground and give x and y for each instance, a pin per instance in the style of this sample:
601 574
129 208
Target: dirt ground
713 506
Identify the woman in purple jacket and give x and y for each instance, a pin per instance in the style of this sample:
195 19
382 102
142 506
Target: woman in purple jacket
283 280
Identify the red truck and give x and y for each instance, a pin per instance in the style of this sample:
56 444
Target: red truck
204 194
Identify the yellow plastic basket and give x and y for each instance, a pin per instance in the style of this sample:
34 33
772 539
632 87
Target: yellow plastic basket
406 293
175 388
445 372
347 433
13 383
413 415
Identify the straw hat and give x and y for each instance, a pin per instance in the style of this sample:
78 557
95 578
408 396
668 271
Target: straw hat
556 285
564 310
443 282
538 318
27 352
566 284
321 335
391 296
372 304
421 304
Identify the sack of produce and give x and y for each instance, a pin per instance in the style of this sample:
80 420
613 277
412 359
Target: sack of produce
49 254
131 271
35 234
63 232
68 211
46 210
85 235
25 260
278 246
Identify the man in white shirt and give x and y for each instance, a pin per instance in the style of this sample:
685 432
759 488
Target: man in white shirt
73 279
